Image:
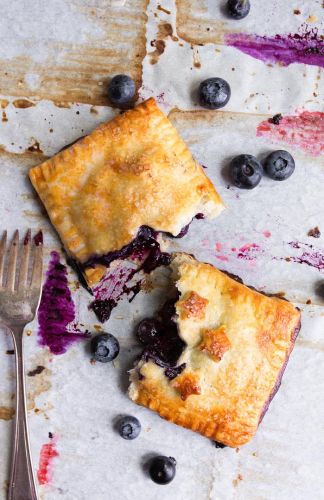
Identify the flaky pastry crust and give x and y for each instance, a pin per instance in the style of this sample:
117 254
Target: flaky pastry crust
253 337
134 170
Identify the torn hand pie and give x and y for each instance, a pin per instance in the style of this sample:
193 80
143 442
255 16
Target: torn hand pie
219 355
131 173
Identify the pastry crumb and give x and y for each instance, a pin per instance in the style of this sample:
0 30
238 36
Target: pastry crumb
314 232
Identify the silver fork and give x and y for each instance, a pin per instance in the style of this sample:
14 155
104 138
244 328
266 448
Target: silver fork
19 298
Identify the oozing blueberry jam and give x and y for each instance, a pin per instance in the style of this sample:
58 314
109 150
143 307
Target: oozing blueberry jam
163 346
142 246
144 249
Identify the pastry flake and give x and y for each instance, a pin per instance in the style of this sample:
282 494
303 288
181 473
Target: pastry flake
131 172
235 354
192 306
187 384
215 342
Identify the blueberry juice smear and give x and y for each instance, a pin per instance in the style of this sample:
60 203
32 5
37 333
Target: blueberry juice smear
162 343
56 313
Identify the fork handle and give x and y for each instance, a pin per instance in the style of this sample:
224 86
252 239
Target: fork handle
22 482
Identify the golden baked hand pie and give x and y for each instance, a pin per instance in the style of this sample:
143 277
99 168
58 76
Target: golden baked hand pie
214 357
131 177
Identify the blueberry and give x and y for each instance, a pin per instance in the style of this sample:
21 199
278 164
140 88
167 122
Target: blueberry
104 347
162 469
279 165
246 171
214 93
238 9
121 89
168 312
129 427
147 331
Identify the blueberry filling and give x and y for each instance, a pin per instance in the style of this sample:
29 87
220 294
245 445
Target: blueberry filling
162 342
145 242
143 248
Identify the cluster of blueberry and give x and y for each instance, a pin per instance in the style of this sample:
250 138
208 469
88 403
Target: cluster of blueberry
214 93
246 171
105 348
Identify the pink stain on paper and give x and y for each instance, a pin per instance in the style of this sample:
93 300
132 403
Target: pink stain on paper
249 251
218 247
266 234
305 131
47 454
222 258
306 46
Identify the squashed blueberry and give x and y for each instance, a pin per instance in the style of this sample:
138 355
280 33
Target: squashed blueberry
214 93
129 427
246 171
147 331
104 347
121 89
279 165
162 469
238 9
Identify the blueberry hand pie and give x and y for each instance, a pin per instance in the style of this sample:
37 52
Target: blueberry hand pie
118 187
214 356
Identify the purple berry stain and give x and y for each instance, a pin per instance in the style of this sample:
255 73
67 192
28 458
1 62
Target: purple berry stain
56 312
306 47
310 256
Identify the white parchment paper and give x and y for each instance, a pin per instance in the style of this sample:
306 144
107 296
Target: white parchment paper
254 238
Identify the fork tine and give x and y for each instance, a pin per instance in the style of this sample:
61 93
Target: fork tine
37 266
3 246
13 252
24 264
